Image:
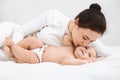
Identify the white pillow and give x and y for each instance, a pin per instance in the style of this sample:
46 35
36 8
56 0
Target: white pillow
5 30
3 56
12 30
103 49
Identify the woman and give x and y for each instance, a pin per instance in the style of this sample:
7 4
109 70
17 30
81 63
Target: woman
52 26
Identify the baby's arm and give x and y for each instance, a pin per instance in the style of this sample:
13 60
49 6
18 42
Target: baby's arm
74 61
67 40
30 43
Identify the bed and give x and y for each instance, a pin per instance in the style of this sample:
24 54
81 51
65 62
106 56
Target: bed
107 69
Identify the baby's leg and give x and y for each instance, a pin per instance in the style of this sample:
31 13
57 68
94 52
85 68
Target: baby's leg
22 54
30 43
17 61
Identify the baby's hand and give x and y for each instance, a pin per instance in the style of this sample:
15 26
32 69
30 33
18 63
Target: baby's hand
101 58
94 59
91 59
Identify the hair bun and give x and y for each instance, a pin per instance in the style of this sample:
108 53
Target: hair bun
95 7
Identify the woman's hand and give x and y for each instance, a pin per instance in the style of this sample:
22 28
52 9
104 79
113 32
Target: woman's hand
67 40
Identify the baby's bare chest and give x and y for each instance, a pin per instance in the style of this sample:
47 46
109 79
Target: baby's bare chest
56 54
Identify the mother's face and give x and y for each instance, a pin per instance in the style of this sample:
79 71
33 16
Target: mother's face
83 36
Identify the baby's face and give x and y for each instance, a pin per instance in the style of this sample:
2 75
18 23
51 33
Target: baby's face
85 52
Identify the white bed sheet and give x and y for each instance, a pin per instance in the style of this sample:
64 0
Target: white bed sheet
107 69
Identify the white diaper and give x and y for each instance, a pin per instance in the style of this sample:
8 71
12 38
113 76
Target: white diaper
40 51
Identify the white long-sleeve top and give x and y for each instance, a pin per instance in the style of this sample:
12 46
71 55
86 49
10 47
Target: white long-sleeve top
52 25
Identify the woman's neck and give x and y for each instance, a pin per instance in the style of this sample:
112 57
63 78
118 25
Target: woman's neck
71 26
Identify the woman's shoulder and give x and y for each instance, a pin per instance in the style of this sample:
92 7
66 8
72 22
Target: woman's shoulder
59 14
55 11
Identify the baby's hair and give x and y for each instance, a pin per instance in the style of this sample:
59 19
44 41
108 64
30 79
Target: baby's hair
95 51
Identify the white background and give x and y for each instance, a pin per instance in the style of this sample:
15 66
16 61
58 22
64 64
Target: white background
21 11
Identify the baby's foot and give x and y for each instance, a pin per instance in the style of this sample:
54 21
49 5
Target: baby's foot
7 51
8 42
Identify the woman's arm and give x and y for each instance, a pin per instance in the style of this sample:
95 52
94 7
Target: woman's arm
40 22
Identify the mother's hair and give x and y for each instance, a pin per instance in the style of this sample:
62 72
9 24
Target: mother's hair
92 19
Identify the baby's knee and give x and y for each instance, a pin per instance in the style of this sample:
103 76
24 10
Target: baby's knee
31 38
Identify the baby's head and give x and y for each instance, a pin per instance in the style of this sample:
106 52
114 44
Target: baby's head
85 52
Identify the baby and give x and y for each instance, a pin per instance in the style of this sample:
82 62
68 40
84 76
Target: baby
31 50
